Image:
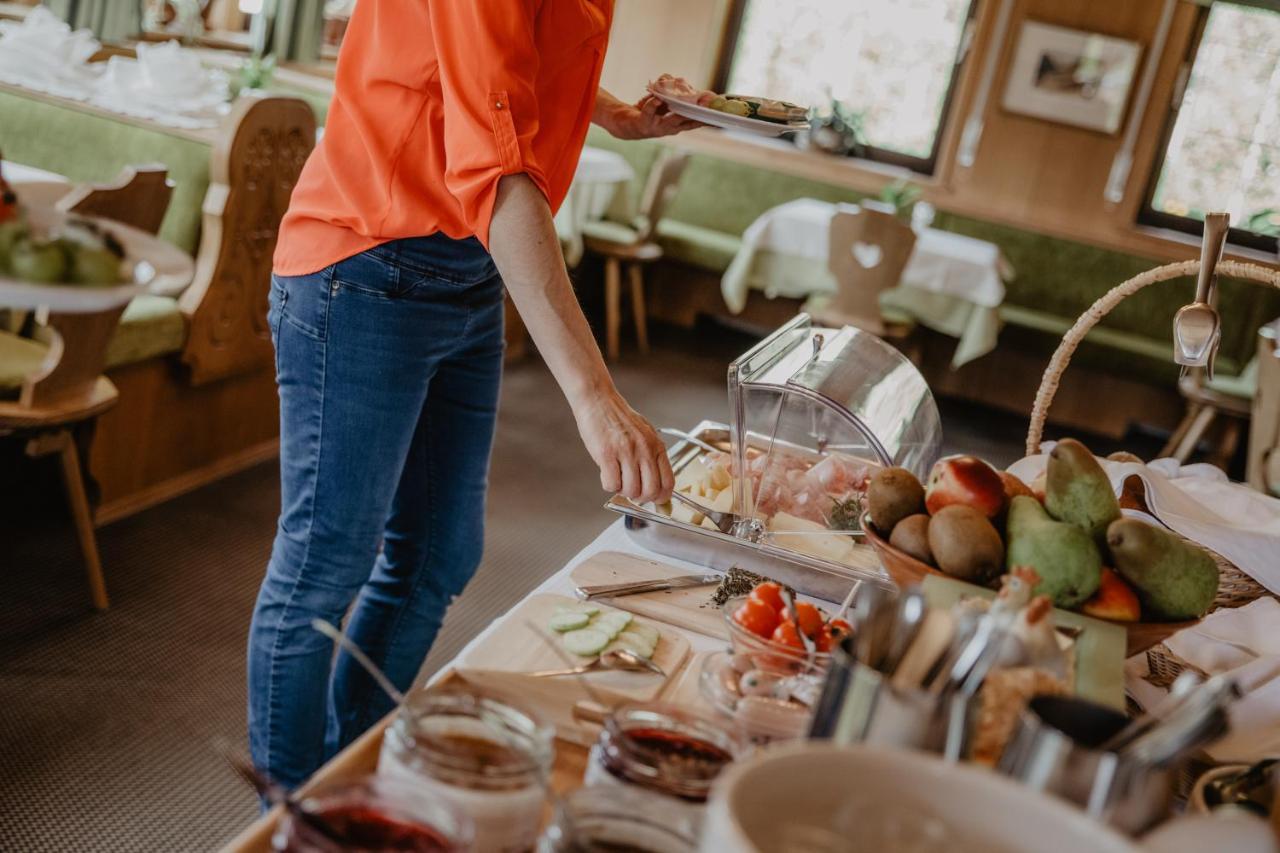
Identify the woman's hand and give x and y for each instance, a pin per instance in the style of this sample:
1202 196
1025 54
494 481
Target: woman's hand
632 459
646 119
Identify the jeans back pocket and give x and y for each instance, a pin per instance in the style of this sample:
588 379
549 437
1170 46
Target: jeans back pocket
302 301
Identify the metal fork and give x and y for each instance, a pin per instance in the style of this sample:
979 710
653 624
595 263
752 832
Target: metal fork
723 521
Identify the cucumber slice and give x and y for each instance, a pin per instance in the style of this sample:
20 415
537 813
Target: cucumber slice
650 633
562 622
586 642
638 644
615 622
589 609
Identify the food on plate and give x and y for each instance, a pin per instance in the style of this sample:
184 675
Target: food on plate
745 106
965 544
77 251
911 536
965 480
892 495
1063 554
1114 600
586 631
1078 491
1173 578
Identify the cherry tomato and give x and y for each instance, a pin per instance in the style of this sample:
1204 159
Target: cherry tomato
840 628
809 618
825 639
757 617
769 593
787 635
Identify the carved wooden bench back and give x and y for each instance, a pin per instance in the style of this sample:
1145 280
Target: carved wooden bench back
253 169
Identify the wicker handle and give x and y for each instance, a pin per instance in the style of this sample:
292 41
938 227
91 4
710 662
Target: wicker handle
1101 308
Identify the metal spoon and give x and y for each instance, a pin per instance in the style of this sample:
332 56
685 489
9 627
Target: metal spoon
1241 788
1197 328
1182 686
620 660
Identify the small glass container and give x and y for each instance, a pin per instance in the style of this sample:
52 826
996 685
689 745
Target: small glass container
614 818
662 748
481 755
374 813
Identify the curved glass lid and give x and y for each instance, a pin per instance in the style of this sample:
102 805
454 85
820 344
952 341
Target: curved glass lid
814 412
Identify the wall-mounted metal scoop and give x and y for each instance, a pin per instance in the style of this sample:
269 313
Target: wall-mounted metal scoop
1197 329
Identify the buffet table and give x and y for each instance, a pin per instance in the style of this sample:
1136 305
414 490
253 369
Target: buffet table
952 284
361 758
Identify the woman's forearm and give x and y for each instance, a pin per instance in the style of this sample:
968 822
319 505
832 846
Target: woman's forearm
527 252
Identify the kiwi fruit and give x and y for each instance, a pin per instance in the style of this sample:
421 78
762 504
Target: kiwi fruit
911 537
965 544
892 495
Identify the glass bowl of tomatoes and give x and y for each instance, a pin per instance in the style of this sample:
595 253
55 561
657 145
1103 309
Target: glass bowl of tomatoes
763 626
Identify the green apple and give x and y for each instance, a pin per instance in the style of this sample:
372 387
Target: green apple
42 262
94 266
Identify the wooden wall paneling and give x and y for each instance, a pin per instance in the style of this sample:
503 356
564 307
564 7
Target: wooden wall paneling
255 163
652 37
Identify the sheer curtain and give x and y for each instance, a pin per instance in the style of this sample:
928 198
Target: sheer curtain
297 28
110 20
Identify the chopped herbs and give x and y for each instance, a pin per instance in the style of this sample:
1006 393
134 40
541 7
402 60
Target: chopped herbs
846 514
738 582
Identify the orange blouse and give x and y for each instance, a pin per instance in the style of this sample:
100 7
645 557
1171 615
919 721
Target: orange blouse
434 101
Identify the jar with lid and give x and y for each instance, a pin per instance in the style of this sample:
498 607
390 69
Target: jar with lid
373 813
478 753
613 818
664 749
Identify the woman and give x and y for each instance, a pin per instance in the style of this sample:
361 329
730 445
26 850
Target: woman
455 129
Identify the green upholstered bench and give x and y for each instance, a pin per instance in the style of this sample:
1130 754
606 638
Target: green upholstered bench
1056 281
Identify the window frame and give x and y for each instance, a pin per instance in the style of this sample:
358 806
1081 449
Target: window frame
926 166
1148 215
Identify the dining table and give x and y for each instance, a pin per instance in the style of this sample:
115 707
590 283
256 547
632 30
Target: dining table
597 182
952 283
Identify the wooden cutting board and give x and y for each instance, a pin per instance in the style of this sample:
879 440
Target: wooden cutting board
688 608
500 663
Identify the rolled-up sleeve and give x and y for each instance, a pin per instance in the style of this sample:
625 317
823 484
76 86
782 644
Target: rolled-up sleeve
488 65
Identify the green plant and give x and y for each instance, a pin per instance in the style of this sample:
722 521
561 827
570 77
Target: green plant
1265 221
256 72
903 195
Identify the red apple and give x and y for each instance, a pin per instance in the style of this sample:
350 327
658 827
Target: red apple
968 481
1114 600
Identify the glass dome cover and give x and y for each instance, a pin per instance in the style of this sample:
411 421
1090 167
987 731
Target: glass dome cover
813 412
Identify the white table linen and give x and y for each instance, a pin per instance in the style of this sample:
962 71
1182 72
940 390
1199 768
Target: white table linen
596 181
948 275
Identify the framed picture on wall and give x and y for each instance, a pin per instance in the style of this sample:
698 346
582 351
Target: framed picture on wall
1071 76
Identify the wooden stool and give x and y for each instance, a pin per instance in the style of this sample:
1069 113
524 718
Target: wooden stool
68 390
633 246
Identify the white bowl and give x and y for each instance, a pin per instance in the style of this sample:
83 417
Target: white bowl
816 797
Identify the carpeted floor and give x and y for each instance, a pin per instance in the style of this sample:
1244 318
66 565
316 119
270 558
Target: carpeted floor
110 723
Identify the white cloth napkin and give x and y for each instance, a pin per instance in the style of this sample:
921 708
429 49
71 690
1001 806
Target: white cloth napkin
1199 502
166 84
43 53
1243 643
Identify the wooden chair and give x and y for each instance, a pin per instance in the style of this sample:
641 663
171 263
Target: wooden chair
868 251
633 247
1229 404
68 390
1263 471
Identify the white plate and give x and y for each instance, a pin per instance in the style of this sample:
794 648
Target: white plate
728 121
156 267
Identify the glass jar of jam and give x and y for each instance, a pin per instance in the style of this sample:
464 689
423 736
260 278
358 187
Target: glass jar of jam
373 814
478 753
616 818
663 748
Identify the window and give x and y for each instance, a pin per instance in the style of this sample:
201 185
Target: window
1222 143
893 64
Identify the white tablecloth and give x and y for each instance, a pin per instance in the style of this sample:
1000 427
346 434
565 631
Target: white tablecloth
952 282
595 183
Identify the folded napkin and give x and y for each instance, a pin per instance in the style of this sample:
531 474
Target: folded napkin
1243 643
42 53
1199 502
166 84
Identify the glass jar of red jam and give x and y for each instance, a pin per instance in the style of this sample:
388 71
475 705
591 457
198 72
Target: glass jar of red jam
374 814
663 748
479 753
618 818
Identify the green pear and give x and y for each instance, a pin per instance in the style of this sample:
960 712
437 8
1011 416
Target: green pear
1078 491
1175 579
1063 555
41 262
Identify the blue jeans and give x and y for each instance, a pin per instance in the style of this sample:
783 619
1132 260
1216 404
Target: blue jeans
388 365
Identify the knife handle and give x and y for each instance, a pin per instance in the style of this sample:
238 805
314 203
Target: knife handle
615 590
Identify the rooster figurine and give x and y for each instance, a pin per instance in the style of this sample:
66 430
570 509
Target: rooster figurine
8 198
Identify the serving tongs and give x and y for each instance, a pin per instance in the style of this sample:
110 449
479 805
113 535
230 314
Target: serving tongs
750 528
1197 328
